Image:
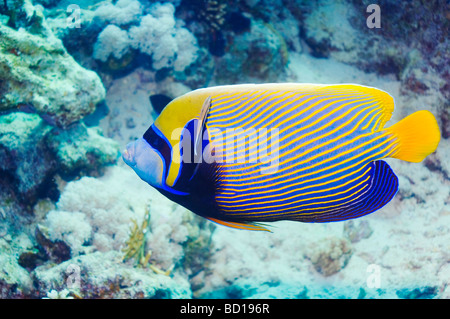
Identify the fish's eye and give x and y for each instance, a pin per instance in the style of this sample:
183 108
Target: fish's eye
157 142
154 139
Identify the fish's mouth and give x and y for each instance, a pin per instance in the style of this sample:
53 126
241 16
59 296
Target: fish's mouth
128 154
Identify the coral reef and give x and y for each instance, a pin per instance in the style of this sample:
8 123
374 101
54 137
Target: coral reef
258 55
102 275
24 163
406 46
37 73
63 294
39 77
15 281
157 35
32 152
45 94
75 223
91 223
82 150
94 230
123 12
111 41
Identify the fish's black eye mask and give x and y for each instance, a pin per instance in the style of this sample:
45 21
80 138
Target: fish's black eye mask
156 140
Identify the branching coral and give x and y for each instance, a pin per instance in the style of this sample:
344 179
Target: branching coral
158 35
213 12
122 13
111 41
135 246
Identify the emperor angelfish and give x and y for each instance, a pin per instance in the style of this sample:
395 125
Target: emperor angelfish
242 155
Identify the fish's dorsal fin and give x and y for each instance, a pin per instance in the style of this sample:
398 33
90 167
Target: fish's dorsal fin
236 225
200 126
382 98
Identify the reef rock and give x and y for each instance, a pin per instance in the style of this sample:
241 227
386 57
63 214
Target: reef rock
24 159
357 230
257 55
15 282
329 255
102 275
32 152
82 149
37 73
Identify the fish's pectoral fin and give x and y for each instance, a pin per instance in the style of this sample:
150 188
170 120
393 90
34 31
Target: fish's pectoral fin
201 125
237 225
198 136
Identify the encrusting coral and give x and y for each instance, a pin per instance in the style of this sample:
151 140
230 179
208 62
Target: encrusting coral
37 74
32 152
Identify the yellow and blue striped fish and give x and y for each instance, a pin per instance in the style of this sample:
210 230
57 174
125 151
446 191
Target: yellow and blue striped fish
240 155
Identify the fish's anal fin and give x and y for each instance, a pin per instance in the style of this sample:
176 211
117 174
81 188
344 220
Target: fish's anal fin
382 188
417 136
236 225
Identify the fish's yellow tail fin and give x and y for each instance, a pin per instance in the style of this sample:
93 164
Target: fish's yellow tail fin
417 135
